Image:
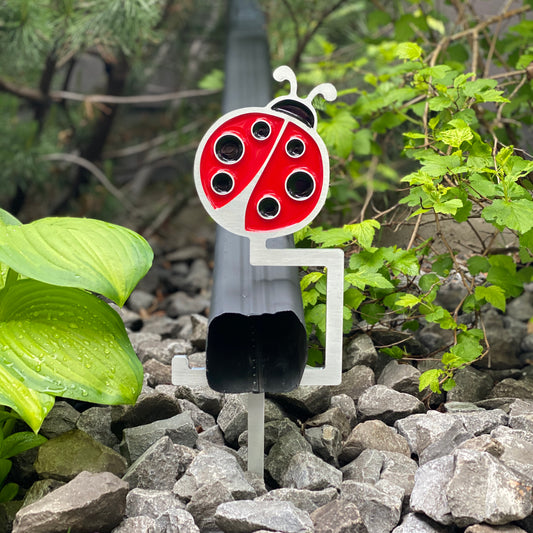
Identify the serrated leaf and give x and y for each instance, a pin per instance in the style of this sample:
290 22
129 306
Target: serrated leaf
67 342
312 277
404 261
449 207
372 313
410 51
331 237
516 214
494 295
428 281
448 385
362 278
442 265
353 298
74 252
407 300
430 378
477 264
317 316
364 232
310 297
456 137
338 133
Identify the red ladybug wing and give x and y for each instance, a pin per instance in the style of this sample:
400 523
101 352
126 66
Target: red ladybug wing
224 171
293 181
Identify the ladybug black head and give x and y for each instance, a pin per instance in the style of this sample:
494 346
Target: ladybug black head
300 108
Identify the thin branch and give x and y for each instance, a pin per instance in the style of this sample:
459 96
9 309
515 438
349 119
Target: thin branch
415 232
93 169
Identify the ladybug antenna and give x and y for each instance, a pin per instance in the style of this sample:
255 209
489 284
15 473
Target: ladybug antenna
285 73
327 90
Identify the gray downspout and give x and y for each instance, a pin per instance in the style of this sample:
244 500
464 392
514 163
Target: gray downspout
256 337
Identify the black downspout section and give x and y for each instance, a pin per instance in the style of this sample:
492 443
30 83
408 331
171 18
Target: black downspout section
256 339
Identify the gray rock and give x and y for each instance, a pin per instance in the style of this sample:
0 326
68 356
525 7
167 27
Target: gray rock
429 493
39 489
521 308
140 299
96 422
433 337
273 431
288 444
517 451
373 465
233 418
478 422
163 350
355 381
333 417
376 435
503 349
137 524
338 517
380 505
483 443
212 465
422 430
400 377
521 415
157 373
151 502
212 435
180 428
513 388
347 406
461 407
359 351
484 528
307 471
201 419
150 406
65 456
199 332
496 495
446 442
204 503
326 442
306 500
306 400
199 275
416 523
60 419
248 516
163 326
205 398
159 466
176 521
88 503
387 405
180 303
472 385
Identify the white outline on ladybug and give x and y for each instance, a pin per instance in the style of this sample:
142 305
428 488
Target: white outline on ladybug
293 111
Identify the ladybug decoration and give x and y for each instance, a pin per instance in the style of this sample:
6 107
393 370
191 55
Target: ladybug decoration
263 172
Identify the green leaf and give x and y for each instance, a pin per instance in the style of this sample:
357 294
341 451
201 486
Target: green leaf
353 298
430 378
331 237
456 137
312 277
338 133
394 351
410 51
7 219
404 261
428 281
362 278
364 232
315 357
448 385
67 342
442 265
516 214
317 316
494 295
5 468
9 492
74 252
20 442
466 350
477 264
372 313
408 300
448 207
310 297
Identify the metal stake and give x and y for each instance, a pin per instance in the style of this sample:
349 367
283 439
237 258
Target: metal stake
256 433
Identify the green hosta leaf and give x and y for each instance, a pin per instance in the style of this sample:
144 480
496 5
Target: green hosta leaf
20 442
67 342
364 232
31 405
9 492
430 378
494 295
516 215
74 252
7 219
5 467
